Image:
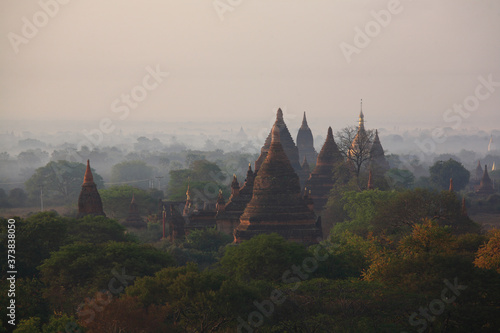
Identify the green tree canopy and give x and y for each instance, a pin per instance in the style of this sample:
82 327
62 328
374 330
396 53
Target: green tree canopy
205 179
129 171
264 257
442 171
81 269
61 181
116 200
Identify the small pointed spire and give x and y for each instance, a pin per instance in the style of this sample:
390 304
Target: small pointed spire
330 133
88 178
133 198
304 120
464 208
279 115
451 185
361 117
234 183
370 180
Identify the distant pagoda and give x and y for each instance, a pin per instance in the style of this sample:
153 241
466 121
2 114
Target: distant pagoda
289 147
89 201
486 185
229 218
305 142
134 219
479 172
378 162
321 180
276 205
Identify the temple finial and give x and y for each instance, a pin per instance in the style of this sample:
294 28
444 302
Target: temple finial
88 178
279 115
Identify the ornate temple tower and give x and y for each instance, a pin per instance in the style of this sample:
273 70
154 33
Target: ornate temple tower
276 204
378 163
320 182
229 218
287 143
89 201
134 219
486 185
479 172
305 142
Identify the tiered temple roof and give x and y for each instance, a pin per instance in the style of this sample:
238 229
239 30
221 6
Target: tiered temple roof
229 218
89 201
276 204
305 142
321 180
289 147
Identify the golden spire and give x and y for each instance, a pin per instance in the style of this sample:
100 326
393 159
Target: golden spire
361 118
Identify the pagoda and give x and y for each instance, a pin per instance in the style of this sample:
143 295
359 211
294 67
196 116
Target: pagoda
305 142
288 145
134 219
276 205
378 162
89 201
229 218
486 185
321 180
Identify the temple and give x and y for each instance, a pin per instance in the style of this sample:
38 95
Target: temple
378 162
89 201
229 217
321 180
134 219
276 205
288 145
486 185
305 142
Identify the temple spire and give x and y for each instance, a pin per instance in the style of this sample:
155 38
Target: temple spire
88 178
89 200
451 185
464 208
370 180
361 117
304 121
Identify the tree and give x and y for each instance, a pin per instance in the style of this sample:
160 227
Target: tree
39 234
17 197
116 199
204 178
442 171
355 146
79 270
400 179
264 257
4 203
132 171
61 181
488 255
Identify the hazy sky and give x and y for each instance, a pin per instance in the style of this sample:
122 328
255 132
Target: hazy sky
241 63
